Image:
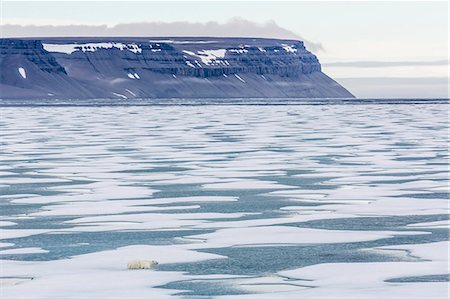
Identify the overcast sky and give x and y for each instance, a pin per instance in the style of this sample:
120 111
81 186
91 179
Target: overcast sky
361 44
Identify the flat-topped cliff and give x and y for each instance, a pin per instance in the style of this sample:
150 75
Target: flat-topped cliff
86 68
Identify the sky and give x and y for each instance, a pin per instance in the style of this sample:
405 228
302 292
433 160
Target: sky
374 48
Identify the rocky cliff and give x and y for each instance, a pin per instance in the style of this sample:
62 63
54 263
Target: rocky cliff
85 68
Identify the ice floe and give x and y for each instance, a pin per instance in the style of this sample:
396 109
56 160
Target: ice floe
28 250
279 235
102 274
353 280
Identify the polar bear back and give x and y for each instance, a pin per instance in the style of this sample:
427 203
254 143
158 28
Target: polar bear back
141 264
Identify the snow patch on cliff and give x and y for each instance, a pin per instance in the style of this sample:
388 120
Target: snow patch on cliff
239 78
289 49
189 63
208 57
22 72
130 92
90 47
239 51
120 95
170 41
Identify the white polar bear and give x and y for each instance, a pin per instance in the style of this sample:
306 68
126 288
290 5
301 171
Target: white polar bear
141 264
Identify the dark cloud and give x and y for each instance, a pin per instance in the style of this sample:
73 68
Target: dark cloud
236 27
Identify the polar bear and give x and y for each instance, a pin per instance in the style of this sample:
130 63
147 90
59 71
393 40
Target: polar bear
141 264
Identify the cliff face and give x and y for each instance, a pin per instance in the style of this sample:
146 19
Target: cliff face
81 68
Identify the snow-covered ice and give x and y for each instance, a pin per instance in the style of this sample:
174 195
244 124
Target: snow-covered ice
341 201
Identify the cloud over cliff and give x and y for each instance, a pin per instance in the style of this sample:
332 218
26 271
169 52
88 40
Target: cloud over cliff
235 27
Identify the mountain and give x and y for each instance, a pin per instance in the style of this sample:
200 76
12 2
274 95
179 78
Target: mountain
87 68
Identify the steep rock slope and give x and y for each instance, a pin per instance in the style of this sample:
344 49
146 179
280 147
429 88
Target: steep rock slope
86 68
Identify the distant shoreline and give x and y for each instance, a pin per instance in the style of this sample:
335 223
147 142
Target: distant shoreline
215 102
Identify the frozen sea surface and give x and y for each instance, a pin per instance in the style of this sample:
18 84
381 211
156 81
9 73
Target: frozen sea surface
244 200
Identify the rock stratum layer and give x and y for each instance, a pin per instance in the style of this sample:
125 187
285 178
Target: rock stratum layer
89 68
